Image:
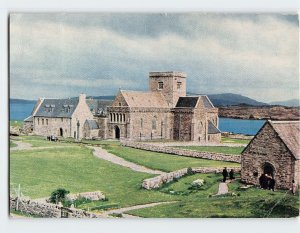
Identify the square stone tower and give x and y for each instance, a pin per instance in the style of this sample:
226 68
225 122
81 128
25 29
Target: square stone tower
171 84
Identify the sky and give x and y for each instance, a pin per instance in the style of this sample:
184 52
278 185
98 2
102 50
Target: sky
58 55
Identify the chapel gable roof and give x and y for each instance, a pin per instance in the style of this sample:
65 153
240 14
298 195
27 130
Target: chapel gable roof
289 132
92 124
144 99
212 129
191 102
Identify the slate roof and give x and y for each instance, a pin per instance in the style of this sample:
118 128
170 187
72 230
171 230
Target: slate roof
98 107
144 99
207 103
289 132
212 129
187 102
92 124
191 102
57 108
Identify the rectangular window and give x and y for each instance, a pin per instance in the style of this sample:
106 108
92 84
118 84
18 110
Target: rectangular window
62 119
46 121
38 121
179 85
42 121
160 85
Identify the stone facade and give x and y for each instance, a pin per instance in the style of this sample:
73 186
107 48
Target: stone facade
269 153
165 112
61 118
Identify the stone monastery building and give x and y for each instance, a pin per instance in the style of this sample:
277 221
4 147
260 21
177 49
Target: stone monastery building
163 112
275 150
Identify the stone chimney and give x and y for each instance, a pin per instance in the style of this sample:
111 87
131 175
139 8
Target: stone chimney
82 97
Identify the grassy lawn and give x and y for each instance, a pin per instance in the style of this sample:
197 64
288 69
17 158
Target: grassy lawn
75 168
215 149
12 144
236 141
42 171
200 203
161 161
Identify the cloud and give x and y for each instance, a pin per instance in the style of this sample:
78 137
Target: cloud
63 55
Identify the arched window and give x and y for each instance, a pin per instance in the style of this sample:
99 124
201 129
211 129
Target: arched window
142 123
117 117
124 118
110 117
114 117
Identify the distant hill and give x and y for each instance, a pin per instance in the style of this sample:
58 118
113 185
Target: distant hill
21 101
229 99
288 103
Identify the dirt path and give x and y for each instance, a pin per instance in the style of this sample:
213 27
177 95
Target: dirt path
223 188
103 154
21 145
27 146
136 207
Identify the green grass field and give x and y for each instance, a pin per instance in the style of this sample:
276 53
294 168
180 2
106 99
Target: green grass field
41 171
215 149
201 203
236 141
12 144
161 161
75 168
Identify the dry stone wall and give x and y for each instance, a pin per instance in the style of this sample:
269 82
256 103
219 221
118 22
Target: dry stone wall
183 152
48 210
158 181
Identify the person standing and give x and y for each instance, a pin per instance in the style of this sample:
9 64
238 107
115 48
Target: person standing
231 174
271 184
294 187
225 174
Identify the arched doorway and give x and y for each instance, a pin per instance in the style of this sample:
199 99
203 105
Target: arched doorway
61 132
117 132
269 169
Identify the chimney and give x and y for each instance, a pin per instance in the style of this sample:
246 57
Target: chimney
82 97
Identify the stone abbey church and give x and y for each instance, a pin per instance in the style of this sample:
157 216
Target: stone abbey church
163 112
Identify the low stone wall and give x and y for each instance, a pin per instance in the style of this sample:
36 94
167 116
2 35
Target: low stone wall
165 178
93 196
183 152
48 210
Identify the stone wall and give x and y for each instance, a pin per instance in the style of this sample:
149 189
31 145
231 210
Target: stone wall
267 148
48 210
183 152
47 126
165 178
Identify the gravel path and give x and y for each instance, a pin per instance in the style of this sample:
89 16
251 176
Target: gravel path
27 146
103 154
21 145
136 207
223 188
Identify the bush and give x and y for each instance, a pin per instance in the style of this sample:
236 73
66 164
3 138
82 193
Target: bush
190 171
58 195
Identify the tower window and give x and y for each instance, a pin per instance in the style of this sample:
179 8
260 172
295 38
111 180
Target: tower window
179 85
160 85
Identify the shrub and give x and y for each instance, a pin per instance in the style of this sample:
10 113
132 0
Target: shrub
190 171
58 195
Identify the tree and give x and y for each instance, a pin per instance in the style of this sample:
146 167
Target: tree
58 195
